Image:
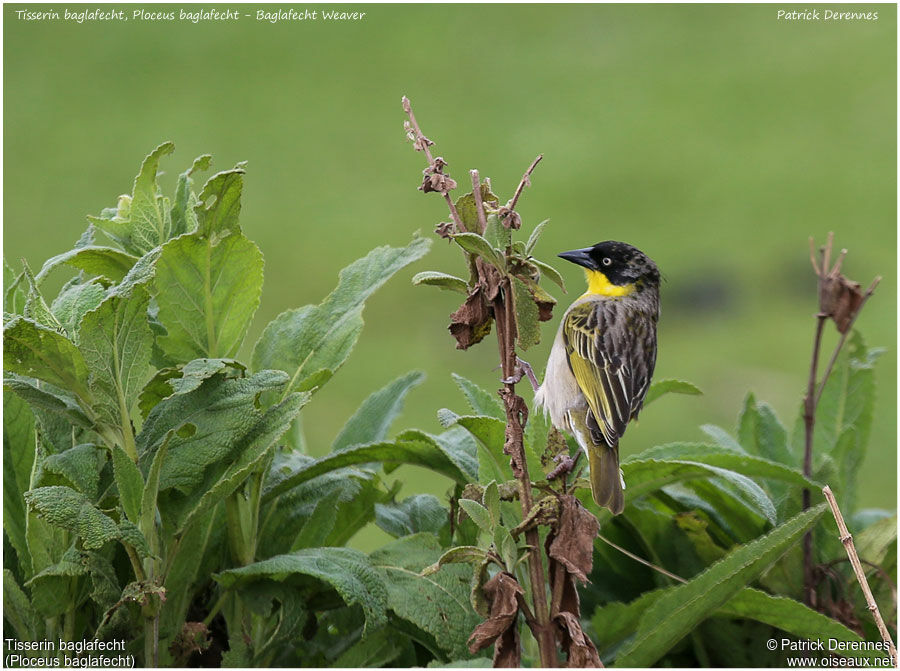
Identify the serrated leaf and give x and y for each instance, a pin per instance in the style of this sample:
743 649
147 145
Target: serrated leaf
535 235
150 218
480 400
680 610
184 219
528 330
18 459
478 514
441 281
371 422
477 245
207 291
312 342
219 203
71 510
348 571
438 603
116 342
671 386
33 350
35 306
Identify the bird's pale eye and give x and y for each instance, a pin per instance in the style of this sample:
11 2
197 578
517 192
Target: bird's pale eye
606 261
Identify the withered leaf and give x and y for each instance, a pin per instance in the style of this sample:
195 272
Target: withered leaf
503 592
193 637
839 298
472 321
573 539
579 649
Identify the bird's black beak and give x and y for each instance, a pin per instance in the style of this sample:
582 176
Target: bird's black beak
581 257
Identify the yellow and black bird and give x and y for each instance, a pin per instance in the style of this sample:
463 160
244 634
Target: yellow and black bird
603 358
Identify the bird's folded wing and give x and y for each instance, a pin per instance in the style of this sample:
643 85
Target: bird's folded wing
592 348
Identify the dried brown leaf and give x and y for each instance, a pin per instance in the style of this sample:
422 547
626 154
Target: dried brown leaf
839 298
573 539
193 637
472 321
502 591
510 218
579 649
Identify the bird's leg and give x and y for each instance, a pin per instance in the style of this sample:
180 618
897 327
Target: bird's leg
523 368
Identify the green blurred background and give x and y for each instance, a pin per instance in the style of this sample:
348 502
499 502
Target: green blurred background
714 137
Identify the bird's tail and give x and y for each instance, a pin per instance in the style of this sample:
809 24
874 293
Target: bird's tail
606 479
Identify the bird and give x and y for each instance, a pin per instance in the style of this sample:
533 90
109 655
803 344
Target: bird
602 359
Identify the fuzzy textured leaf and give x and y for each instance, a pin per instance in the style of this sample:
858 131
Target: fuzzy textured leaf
207 290
670 386
680 610
348 571
370 423
33 350
441 281
71 510
306 341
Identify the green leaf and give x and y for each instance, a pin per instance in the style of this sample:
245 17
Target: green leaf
116 343
348 571
550 273
252 450
74 301
438 603
680 610
184 219
151 223
18 460
33 350
129 482
150 494
874 542
480 400
535 235
419 452
320 524
505 546
760 432
71 510
35 306
740 462
13 296
478 514
43 396
527 316
491 500
96 261
441 281
17 610
498 236
80 465
376 650
370 423
794 618
722 437
418 513
308 341
671 386
219 204
490 434
461 554
207 290
477 245
467 209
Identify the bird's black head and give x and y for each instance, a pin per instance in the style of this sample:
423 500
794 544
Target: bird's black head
619 262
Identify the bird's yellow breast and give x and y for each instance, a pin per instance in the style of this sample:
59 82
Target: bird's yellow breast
599 284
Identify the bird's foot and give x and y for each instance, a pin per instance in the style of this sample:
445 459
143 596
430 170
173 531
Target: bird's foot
565 465
523 369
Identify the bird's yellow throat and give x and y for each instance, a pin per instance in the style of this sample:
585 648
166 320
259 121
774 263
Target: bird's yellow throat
599 285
